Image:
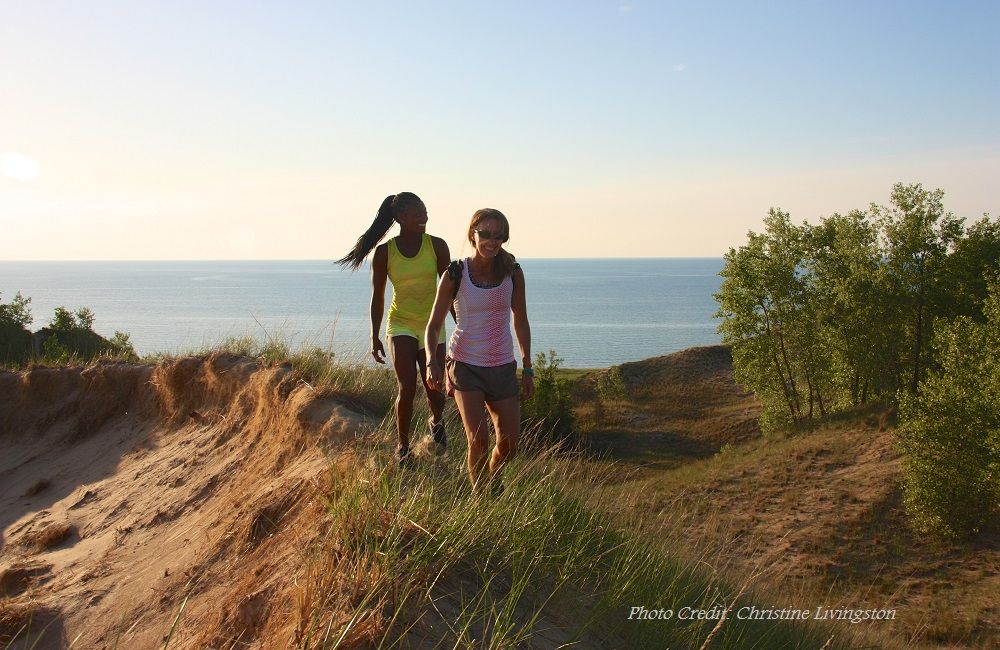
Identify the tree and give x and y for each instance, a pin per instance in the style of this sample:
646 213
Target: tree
849 281
84 318
15 339
918 237
761 302
950 429
17 313
828 317
62 320
70 335
975 258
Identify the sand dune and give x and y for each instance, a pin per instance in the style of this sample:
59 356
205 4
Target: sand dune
132 493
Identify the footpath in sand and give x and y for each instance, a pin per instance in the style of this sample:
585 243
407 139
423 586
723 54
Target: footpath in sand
133 496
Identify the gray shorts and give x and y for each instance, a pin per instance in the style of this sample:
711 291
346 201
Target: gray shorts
497 383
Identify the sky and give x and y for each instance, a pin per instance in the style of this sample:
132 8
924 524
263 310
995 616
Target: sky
273 130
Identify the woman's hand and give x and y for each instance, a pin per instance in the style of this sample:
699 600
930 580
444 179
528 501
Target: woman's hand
527 386
435 375
378 352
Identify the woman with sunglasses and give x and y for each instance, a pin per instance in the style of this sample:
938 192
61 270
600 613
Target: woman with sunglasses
481 369
412 261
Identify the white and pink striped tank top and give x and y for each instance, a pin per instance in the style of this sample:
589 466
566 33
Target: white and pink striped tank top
482 334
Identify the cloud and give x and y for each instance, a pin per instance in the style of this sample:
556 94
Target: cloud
19 167
679 67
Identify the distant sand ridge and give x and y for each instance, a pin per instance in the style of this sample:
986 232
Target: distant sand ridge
132 492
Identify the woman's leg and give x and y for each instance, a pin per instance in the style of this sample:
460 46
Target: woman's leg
507 422
404 361
471 407
436 399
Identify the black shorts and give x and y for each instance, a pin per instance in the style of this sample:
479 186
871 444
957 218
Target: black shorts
497 383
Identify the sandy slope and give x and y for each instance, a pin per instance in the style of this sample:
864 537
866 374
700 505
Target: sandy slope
128 493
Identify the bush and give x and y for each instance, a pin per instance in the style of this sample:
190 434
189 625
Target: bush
15 339
950 430
120 347
611 385
547 418
17 312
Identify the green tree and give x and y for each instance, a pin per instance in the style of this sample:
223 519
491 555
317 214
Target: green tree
849 281
975 258
16 313
120 346
15 339
950 429
85 318
766 306
70 336
918 237
831 316
63 320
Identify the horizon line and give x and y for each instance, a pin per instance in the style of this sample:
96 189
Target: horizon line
331 261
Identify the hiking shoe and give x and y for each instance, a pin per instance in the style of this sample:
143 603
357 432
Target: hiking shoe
438 433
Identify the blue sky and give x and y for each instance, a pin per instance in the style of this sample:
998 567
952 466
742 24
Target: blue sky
273 130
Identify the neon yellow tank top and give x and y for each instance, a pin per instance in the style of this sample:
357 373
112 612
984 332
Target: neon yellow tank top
414 285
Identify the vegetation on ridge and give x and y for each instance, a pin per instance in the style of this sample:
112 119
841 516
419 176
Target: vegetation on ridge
950 430
68 338
827 318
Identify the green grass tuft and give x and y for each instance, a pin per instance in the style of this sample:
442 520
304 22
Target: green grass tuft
450 568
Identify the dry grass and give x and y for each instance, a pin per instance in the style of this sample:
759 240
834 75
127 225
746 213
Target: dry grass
673 409
49 537
698 507
21 620
821 509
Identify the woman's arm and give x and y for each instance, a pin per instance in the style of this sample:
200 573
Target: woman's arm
519 305
443 260
442 253
442 302
380 273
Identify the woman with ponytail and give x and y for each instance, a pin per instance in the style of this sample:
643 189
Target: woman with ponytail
485 288
412 261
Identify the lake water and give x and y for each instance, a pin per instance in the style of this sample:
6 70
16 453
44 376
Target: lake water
593 312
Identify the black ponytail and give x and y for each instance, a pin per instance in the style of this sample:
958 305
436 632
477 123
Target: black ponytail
380 227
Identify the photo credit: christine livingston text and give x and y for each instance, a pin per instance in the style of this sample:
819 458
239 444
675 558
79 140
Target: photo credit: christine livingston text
753 613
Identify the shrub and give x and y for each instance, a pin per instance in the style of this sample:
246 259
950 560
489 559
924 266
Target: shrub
70 338
120 346
950 430
611 384
17 312
56 352
547 418
15 339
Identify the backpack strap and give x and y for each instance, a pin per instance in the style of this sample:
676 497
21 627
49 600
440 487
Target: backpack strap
455 272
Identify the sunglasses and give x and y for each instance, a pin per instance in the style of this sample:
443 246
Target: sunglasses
488 234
